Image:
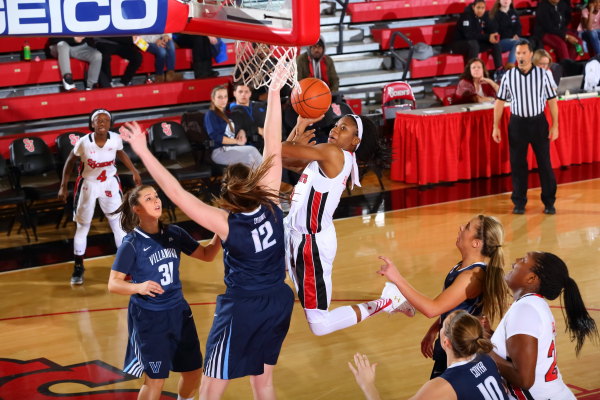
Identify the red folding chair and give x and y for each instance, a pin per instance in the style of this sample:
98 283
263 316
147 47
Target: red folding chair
397 96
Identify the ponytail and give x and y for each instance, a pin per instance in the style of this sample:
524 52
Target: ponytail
241 190
466 334
495 290
554 279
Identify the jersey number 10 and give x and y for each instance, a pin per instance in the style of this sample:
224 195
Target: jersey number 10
490 390
262 237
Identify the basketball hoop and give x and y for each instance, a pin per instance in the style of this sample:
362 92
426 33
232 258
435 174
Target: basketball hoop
255 63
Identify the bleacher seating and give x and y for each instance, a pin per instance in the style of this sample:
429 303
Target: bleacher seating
19 73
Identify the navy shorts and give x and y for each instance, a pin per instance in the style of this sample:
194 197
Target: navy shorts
162 341
247 332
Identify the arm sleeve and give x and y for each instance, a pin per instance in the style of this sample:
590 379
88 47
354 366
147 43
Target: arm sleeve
524 321
334 79
465 92
302 66
518 26
187 242
490 25
548 89
213 128
503 92
125 258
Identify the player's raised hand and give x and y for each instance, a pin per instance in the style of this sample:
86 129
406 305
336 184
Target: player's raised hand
280 75
149 288
364 373
388 269
132 133
305 137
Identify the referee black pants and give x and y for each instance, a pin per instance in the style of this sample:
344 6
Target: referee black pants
523 131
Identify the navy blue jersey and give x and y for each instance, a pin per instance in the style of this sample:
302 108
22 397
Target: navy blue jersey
473 306
254 253
476 379
155 257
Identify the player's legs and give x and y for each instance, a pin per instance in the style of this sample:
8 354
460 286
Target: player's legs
189 382
212 388
84 205
262 385
151 389
110 199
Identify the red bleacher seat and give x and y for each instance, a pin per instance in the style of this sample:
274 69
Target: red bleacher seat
14 44
26 108
45 71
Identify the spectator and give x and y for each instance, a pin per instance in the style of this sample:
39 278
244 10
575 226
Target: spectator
542 59
475 86
552 21
507 22
124 47
476 33
590 26
248 115
201 53
163 48
229 143
316 64
471 374
78 48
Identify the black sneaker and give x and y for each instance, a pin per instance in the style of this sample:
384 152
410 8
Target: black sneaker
518 210
68 83
77 277
550 210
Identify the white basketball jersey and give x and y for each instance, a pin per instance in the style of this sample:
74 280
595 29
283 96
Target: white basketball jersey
531 315
98 163
316 197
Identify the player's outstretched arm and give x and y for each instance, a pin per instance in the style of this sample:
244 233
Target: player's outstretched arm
272 130
465 286
208 252
207 216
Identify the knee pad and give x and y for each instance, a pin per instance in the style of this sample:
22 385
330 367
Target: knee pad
80 239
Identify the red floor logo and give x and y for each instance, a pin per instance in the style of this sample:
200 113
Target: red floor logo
33 380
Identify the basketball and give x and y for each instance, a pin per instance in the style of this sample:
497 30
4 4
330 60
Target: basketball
311 98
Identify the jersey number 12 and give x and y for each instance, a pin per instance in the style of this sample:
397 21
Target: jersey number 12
262 237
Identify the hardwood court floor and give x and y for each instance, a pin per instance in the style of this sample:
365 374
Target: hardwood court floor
43 317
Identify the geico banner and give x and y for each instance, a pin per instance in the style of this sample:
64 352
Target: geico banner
82 17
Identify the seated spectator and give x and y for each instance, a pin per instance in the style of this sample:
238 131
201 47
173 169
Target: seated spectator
314 63
476 33
462 339
551 24
229 143
163 48
201 53
475 86
124 47
591 75
507 22
248 115
542 59
589 27
79 48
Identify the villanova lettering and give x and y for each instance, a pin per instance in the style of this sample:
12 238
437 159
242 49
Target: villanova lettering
478 369
162 254
81 17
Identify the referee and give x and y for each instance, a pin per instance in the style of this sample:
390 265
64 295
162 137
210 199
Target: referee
528 89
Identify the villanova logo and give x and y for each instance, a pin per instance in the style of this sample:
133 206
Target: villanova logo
155 365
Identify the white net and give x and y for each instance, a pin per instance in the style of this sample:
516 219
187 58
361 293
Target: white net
255 63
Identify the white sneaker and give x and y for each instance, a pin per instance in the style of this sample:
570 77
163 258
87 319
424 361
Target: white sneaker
399 302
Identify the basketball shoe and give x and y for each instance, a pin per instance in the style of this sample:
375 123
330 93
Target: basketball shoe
77 277
399 303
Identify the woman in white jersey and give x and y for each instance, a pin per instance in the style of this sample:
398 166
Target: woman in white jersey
311 242
97 180
525 338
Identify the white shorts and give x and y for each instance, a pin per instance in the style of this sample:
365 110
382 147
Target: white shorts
309 260
108 194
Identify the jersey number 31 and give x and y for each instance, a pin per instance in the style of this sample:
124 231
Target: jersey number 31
262 237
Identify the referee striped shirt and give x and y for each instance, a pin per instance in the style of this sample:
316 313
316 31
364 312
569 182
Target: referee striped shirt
528 92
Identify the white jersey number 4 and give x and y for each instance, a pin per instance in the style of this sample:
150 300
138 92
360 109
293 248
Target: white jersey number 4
262 237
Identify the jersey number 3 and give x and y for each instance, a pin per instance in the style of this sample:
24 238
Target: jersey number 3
262 237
